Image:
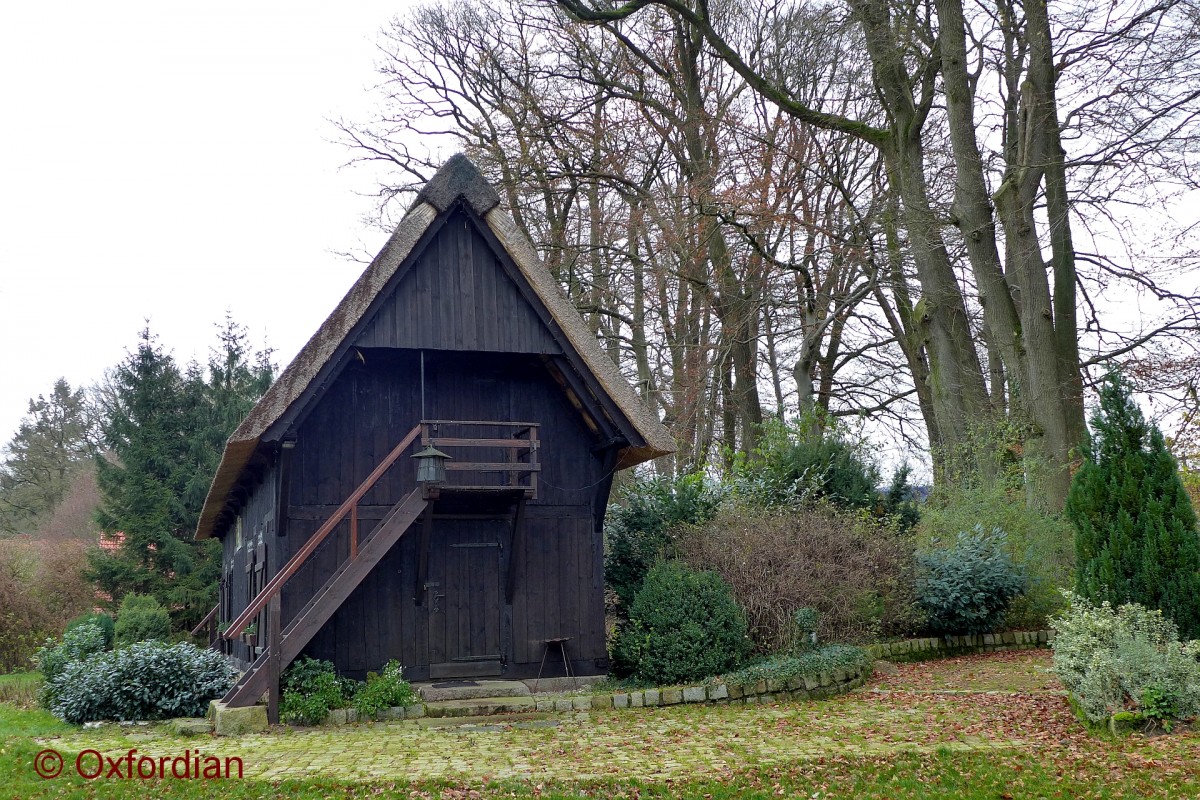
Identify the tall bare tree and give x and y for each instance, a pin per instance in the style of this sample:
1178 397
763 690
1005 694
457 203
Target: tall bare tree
678 210
1013 200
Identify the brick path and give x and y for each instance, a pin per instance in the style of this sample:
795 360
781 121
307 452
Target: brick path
650 743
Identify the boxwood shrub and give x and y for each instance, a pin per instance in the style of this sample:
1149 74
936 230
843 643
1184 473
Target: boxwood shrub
683 626
146 680
141 617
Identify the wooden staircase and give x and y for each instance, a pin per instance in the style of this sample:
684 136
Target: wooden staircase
284 645
324 603
506 449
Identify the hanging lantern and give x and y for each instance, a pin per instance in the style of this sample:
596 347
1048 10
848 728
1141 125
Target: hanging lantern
431 466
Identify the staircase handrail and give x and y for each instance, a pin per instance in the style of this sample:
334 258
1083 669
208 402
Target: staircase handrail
276 583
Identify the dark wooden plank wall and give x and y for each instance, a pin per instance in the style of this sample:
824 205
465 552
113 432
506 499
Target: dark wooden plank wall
369 407
456 296
258 526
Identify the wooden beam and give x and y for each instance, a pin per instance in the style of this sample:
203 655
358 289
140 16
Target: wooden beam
283 489
491 466
518 551
446 441
423 556
600 501
273 668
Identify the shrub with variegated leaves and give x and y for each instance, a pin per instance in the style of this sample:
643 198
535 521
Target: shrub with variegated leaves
1112 659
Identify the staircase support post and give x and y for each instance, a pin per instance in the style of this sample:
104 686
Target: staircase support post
273 643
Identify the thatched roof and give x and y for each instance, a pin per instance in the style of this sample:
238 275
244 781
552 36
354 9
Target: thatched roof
457 178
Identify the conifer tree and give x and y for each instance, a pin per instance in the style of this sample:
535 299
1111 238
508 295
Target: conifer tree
53 440
1136 533
164 429
142 475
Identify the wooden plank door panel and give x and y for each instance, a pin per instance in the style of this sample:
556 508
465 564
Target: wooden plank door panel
464 598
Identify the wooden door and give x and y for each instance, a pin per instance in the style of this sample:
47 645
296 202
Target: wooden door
464 598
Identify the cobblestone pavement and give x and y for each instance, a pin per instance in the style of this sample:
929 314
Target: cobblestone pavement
649 743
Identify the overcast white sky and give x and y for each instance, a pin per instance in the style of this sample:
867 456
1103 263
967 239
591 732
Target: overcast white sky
170 161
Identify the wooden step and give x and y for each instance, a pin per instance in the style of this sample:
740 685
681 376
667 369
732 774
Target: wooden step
327 600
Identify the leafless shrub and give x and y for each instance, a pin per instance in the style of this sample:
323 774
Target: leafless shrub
41 589
74 516
857 574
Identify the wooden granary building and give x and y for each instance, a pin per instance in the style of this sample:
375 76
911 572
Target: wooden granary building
455 338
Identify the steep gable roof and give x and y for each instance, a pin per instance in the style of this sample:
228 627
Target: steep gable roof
457 180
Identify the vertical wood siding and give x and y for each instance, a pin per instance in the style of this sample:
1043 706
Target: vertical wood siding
482 344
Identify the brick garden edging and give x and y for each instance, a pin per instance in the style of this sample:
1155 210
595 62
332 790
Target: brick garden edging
809 687
921 649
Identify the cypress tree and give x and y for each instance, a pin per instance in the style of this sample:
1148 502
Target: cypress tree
1136 535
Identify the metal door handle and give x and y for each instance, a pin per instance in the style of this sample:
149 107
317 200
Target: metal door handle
436 598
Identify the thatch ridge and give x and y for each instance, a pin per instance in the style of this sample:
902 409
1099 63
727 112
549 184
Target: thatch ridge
457 178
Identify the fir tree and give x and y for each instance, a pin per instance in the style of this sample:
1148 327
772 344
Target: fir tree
53 440
164 430
1136 536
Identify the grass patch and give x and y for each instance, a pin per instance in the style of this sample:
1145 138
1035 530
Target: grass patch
29 722
905 743
20 689
944 774
1008 671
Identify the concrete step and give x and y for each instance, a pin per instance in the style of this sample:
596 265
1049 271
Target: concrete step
480 706
466 689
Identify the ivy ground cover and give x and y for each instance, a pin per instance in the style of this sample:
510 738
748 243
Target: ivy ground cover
984 726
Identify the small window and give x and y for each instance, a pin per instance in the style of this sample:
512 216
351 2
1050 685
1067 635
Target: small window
237 533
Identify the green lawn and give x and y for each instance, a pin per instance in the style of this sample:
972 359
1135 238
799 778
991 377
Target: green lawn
20 689
988 727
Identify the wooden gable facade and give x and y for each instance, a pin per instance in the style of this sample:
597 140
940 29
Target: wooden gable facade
455 337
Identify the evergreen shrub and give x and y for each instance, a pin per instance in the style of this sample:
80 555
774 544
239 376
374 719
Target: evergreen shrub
637 531
1041 543
140 618
966 587
683 626
78 643
144 681
805 463
103 620
1113 659
1136 536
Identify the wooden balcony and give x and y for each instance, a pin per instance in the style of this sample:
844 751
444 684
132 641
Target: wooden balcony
486 456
